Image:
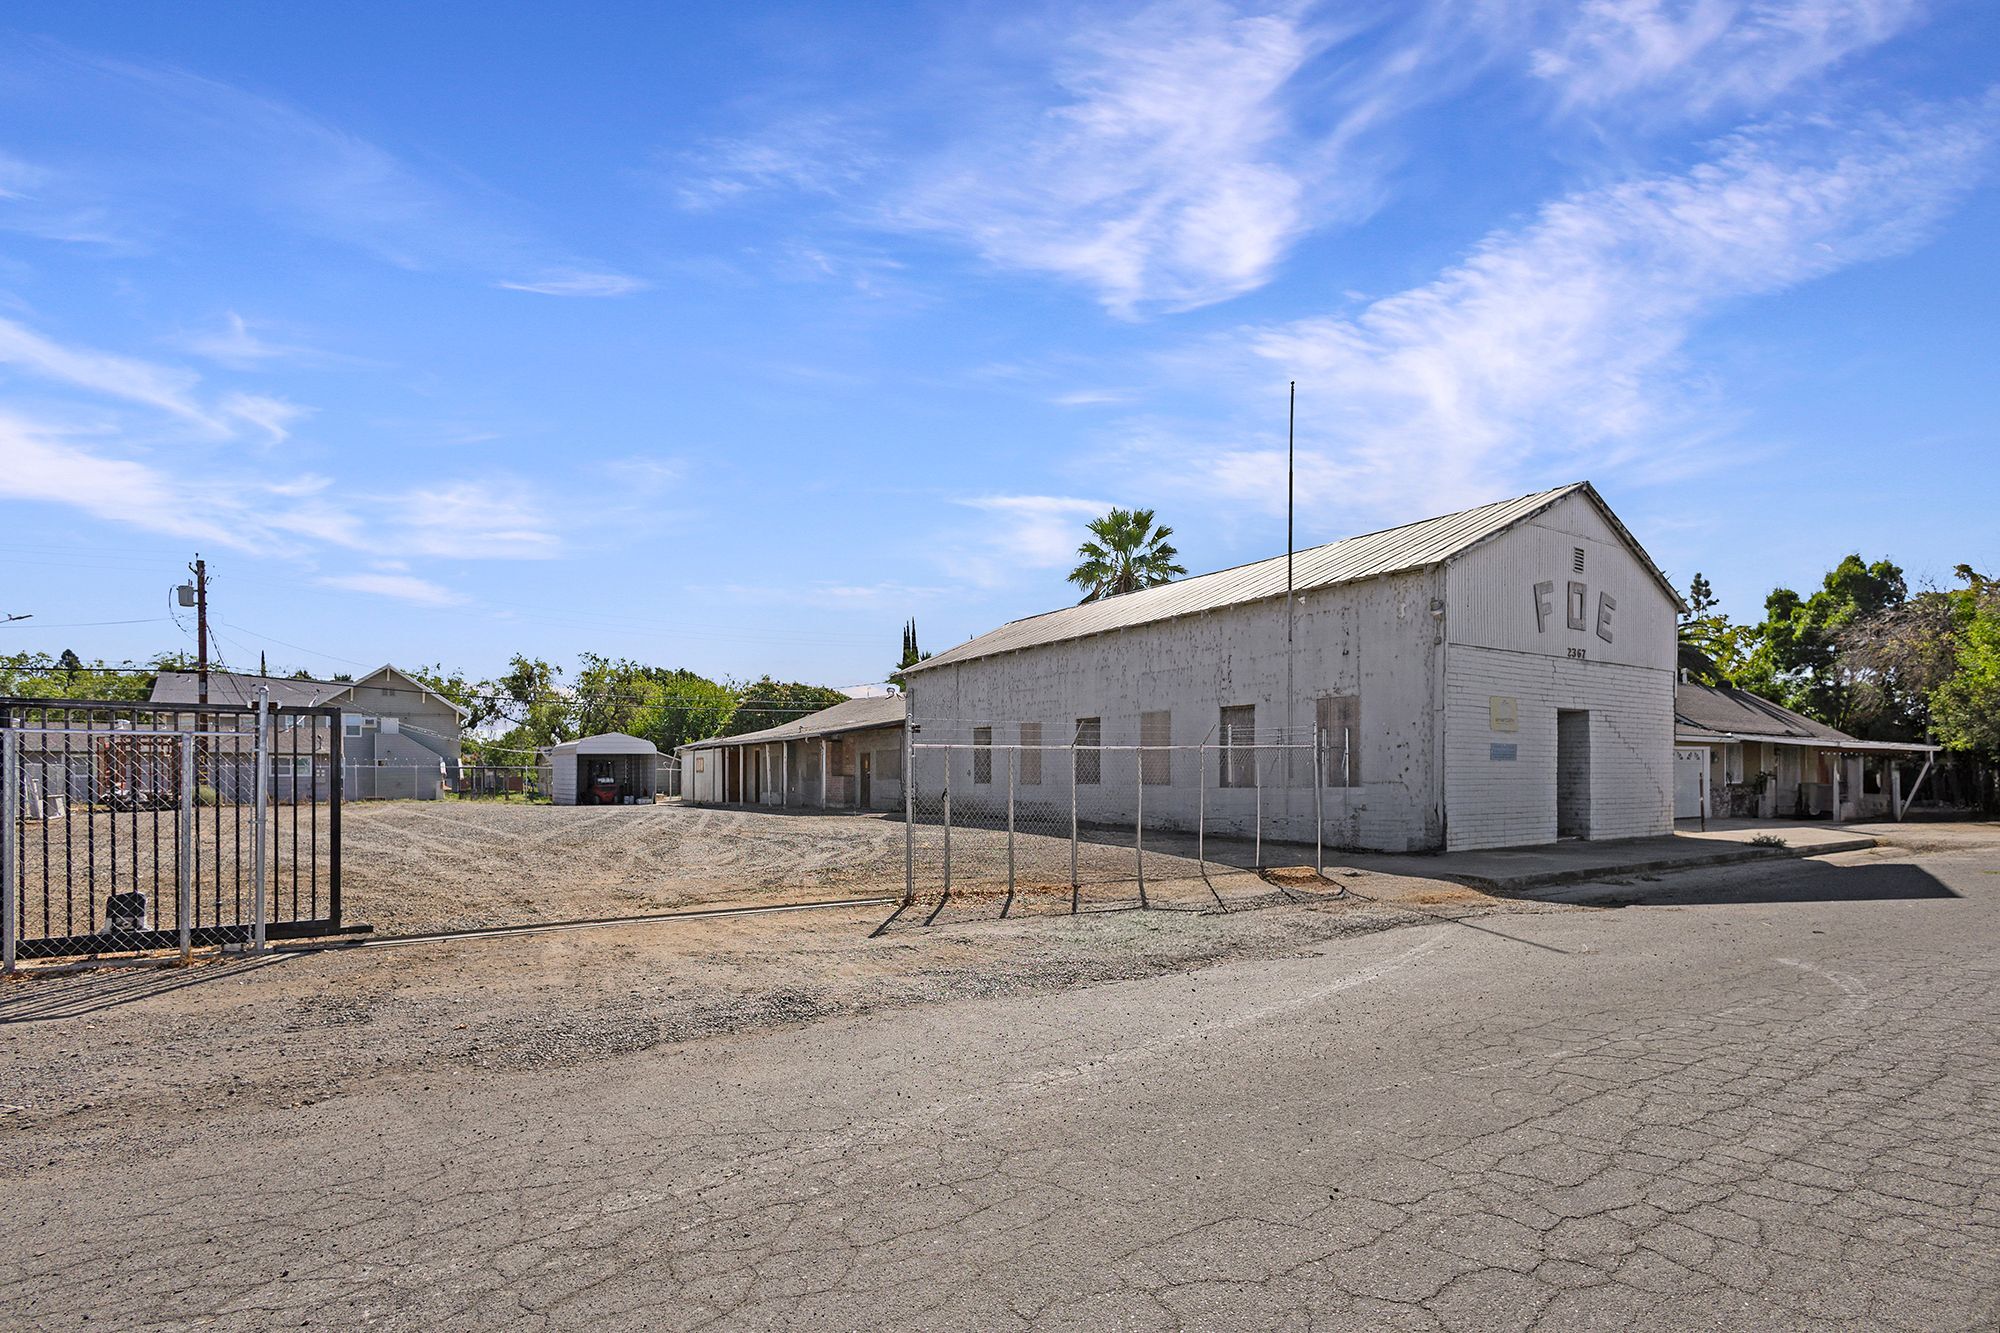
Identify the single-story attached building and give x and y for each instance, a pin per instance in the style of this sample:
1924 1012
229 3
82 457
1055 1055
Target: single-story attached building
847 757
1496 677
609 769
1738 754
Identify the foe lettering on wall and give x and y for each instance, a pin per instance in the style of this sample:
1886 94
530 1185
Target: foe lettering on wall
1576 602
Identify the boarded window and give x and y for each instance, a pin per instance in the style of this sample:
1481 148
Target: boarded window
889 762
1089 759
1239 735
1156 767
1031 756
1338 719
982 756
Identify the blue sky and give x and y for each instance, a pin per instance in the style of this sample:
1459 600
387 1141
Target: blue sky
730 337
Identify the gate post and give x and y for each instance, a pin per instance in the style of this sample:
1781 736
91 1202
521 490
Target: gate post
337 793
262 763
1257 780
184 850
10 834
947 823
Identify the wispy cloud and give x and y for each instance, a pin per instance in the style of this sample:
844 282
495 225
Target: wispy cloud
169 390
191 146
1710 53
469 519
398 587
239 346
166 389
1159 179
576 282
1020 532
815 153
1560 344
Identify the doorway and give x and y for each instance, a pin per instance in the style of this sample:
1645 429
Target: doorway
1572 773
867 779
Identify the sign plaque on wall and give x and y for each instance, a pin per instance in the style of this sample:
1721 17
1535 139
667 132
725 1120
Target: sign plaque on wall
1503 712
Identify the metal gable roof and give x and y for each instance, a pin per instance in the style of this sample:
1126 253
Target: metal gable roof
886 710
1371 555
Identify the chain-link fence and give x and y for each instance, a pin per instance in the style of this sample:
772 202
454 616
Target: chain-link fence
127 828
1093 825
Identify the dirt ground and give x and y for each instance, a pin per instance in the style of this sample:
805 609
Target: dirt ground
411 867
414 866
141 1057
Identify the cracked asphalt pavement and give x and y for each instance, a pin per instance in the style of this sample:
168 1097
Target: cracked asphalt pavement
1761 1096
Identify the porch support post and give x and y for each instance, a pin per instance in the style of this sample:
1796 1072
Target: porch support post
825 763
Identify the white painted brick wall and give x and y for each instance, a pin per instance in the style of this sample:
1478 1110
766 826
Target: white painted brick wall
1499 803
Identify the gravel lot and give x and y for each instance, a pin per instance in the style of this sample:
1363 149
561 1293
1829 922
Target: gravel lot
415 866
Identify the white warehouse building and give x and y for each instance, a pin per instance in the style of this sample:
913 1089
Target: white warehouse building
1498 677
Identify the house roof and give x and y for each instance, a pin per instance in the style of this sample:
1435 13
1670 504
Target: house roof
229 687
887 710
1720 713
1413 546
233 687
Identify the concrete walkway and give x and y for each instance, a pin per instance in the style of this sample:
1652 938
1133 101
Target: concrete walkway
1515 869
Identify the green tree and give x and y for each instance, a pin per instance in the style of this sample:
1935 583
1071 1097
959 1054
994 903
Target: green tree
911 653
478 698
1796 658
667 706
1719 647
766 703
1965 708
40 676
1126 553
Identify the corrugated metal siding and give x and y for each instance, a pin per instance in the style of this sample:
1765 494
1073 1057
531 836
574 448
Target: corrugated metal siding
1413 546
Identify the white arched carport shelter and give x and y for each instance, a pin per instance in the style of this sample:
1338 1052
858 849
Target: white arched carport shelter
628 761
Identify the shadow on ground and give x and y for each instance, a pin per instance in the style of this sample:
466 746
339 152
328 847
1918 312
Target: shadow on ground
1768 882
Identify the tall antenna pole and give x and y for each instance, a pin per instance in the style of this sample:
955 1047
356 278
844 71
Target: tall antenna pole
1291 712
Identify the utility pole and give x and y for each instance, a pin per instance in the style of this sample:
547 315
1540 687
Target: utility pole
200 571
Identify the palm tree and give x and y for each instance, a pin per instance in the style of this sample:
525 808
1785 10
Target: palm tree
1128 554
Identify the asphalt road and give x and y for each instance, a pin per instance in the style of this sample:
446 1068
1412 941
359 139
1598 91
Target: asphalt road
1766 1097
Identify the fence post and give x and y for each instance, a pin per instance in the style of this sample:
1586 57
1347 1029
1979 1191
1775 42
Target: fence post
1201 806
1013 757
184 851
1257 781
1319 812
909 815
947 824
10 834
1075 885
1139 826
260 867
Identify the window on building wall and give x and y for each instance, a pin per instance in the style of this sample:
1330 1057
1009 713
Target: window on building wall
1156 766
1337 720
1089 758
1238 731
1031 755
982 756
889 762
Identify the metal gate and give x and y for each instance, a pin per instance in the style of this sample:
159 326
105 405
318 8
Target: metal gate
133 827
